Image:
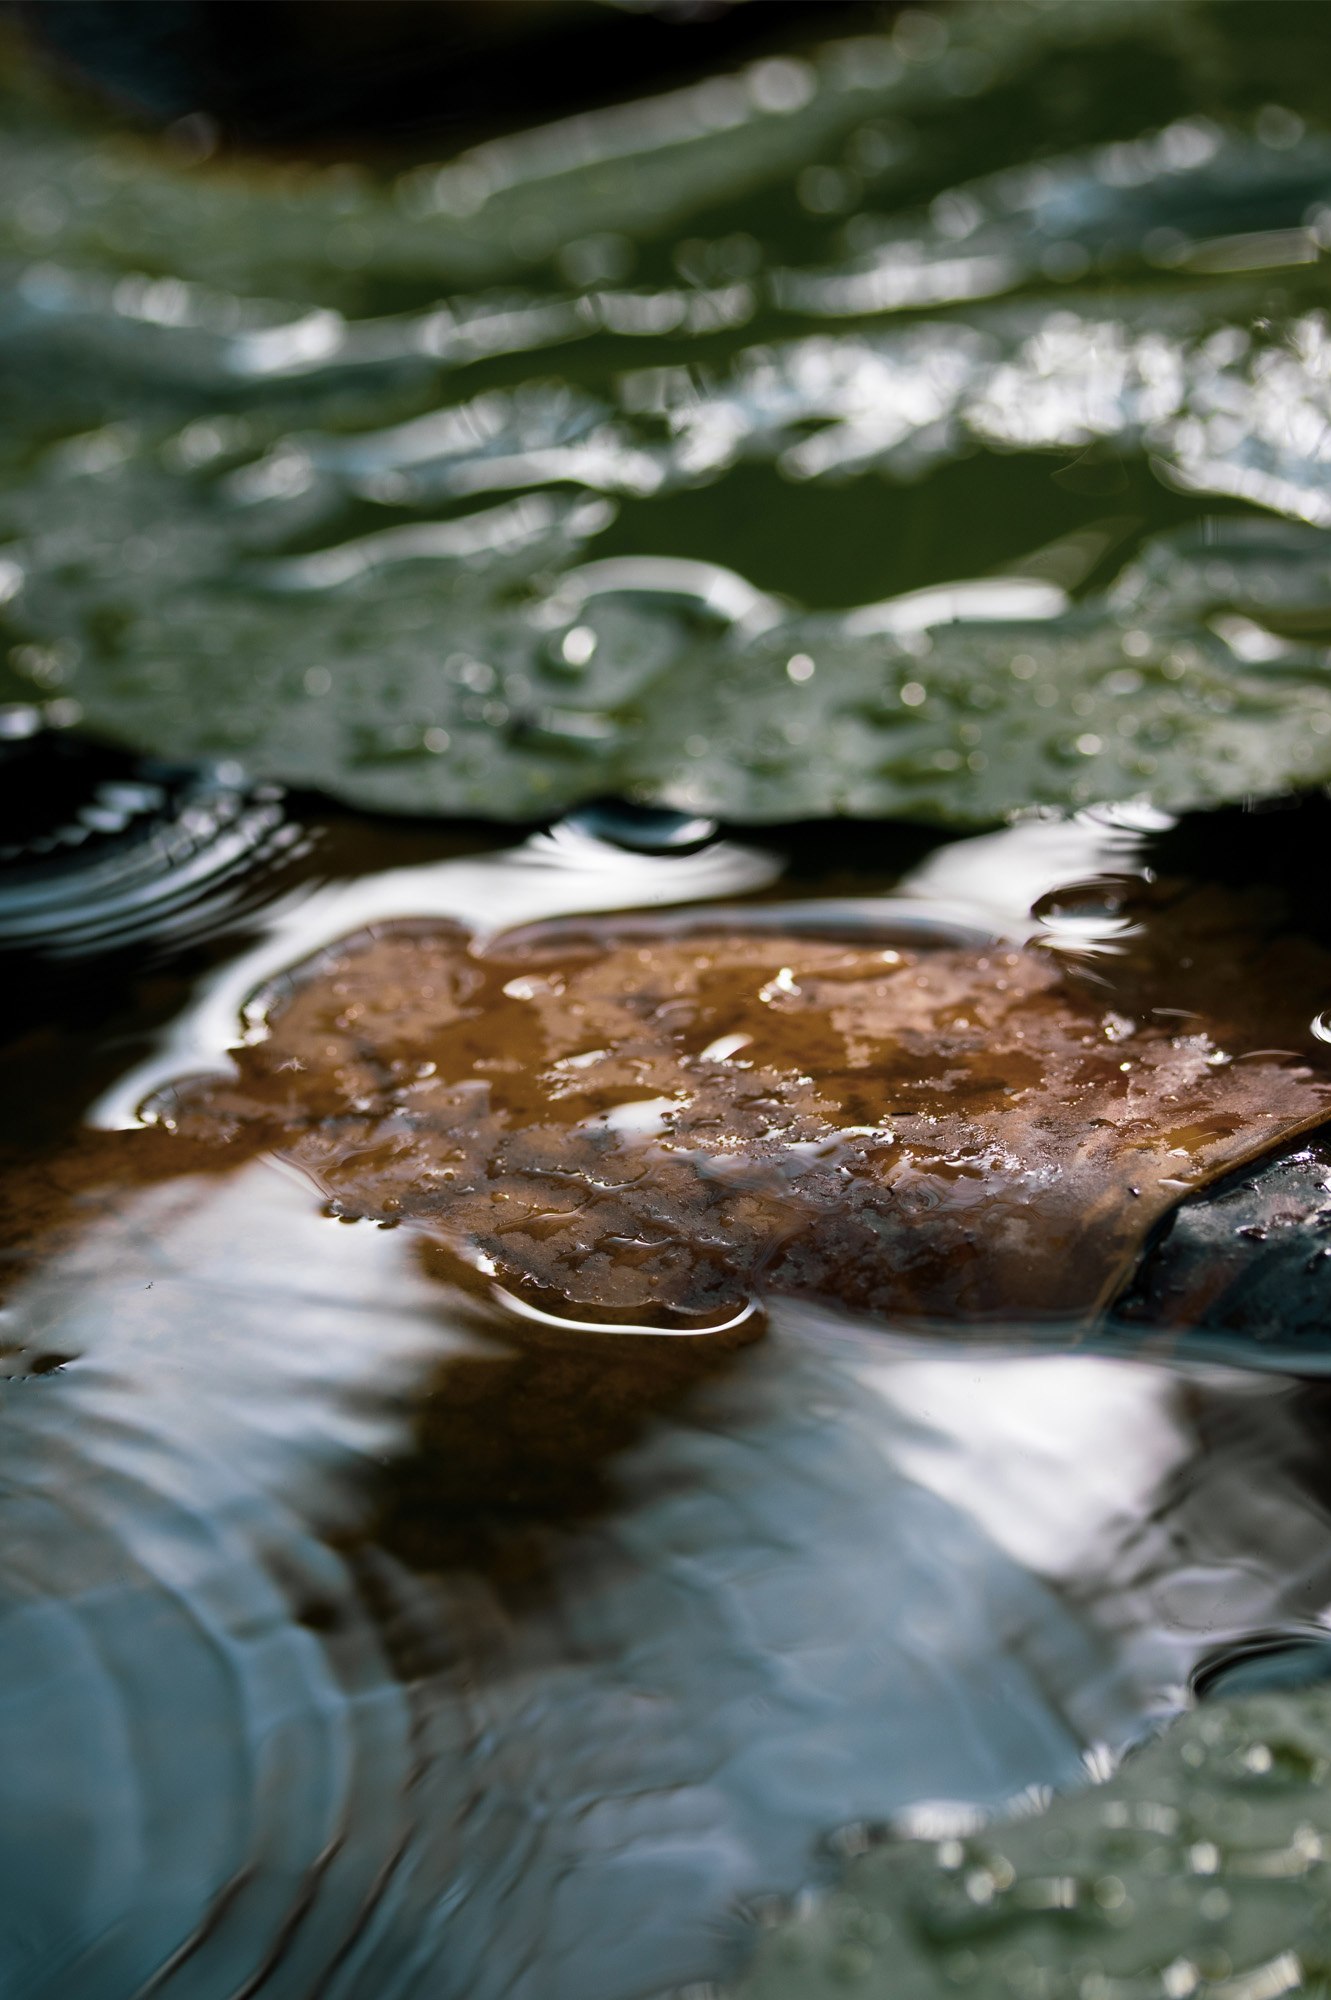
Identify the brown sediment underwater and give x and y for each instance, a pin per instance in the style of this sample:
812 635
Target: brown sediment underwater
623 1126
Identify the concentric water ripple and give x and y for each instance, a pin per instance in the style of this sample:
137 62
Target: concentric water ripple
252 1745
100 851
363 1642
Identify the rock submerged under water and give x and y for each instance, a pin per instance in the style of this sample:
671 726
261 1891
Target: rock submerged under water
653 1124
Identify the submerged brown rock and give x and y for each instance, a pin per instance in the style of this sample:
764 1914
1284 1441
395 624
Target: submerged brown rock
647 1128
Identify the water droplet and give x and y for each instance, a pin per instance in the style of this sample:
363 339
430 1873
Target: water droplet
724 1047
579 645
981 1886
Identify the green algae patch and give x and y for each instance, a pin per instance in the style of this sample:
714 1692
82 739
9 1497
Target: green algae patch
615 457
1200 1868
468 666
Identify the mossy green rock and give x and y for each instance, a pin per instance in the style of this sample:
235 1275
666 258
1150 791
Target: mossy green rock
267 496
474 669
1201 1868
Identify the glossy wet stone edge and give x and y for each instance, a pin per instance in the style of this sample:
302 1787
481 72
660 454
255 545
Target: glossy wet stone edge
1250 1262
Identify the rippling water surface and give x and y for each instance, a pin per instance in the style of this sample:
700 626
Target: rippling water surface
564 1381
365 1638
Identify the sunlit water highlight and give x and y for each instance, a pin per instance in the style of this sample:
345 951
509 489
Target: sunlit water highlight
853 1580
301 1700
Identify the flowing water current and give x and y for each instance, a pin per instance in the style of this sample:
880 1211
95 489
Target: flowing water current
743 1297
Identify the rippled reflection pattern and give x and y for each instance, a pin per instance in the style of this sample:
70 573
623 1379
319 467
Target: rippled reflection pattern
202 1738
102 852
847 1580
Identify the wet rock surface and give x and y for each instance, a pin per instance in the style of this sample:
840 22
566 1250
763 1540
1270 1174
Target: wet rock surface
1201 1868
653 1127
1251 1259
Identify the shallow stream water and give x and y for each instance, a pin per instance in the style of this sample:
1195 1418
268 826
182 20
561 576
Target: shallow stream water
564 1378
